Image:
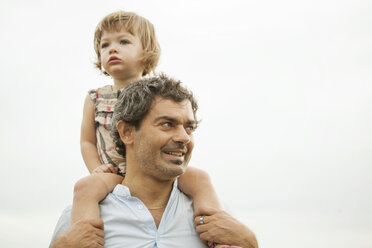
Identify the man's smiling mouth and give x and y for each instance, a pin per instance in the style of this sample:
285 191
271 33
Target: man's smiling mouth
178 154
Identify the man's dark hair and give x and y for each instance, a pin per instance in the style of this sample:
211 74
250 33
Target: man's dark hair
136 100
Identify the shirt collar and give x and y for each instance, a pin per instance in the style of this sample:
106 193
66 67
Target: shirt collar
123 191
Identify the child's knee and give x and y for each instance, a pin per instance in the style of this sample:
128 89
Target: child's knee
203 175
82 186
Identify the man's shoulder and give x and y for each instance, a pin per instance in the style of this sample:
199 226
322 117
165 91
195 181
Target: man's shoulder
63 222
122 194
66 213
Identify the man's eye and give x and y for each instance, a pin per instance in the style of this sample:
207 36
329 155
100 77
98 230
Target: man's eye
190 128
124 42
166 124
104 45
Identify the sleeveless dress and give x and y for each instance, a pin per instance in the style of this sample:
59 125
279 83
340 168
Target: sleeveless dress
104 100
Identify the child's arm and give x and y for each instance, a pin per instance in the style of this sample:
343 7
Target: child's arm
88 192
197 184
88 140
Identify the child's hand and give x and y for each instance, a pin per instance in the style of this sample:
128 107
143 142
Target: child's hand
105 168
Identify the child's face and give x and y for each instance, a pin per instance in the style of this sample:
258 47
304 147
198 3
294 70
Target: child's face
121 54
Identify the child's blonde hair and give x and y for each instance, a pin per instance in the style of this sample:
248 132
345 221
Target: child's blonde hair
136 25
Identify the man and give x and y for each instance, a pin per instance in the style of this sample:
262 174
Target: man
155 119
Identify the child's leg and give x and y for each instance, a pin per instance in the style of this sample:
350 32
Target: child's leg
197 183
88 192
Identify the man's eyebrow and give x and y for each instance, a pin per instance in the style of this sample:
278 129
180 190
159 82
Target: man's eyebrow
193 122
165 117
171 119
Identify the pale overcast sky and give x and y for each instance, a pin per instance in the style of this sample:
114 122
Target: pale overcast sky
285 96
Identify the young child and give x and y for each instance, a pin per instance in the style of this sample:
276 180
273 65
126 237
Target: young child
126 49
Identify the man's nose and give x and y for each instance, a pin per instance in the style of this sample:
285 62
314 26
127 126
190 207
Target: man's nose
181 135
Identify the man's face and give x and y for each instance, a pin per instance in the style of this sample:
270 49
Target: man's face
163 144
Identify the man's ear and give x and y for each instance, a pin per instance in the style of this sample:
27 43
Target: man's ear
126 132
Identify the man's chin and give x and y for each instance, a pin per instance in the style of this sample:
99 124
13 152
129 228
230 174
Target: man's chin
177 162
176 169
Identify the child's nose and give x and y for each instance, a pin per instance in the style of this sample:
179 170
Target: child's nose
113 49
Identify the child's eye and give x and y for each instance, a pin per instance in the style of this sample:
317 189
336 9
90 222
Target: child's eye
104 45
124 42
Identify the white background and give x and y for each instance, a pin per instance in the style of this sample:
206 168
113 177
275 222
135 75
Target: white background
284 89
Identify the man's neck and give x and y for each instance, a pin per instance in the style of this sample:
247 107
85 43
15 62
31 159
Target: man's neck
152 192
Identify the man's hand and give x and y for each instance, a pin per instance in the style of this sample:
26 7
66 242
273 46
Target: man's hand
83 234
222 228
105 168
